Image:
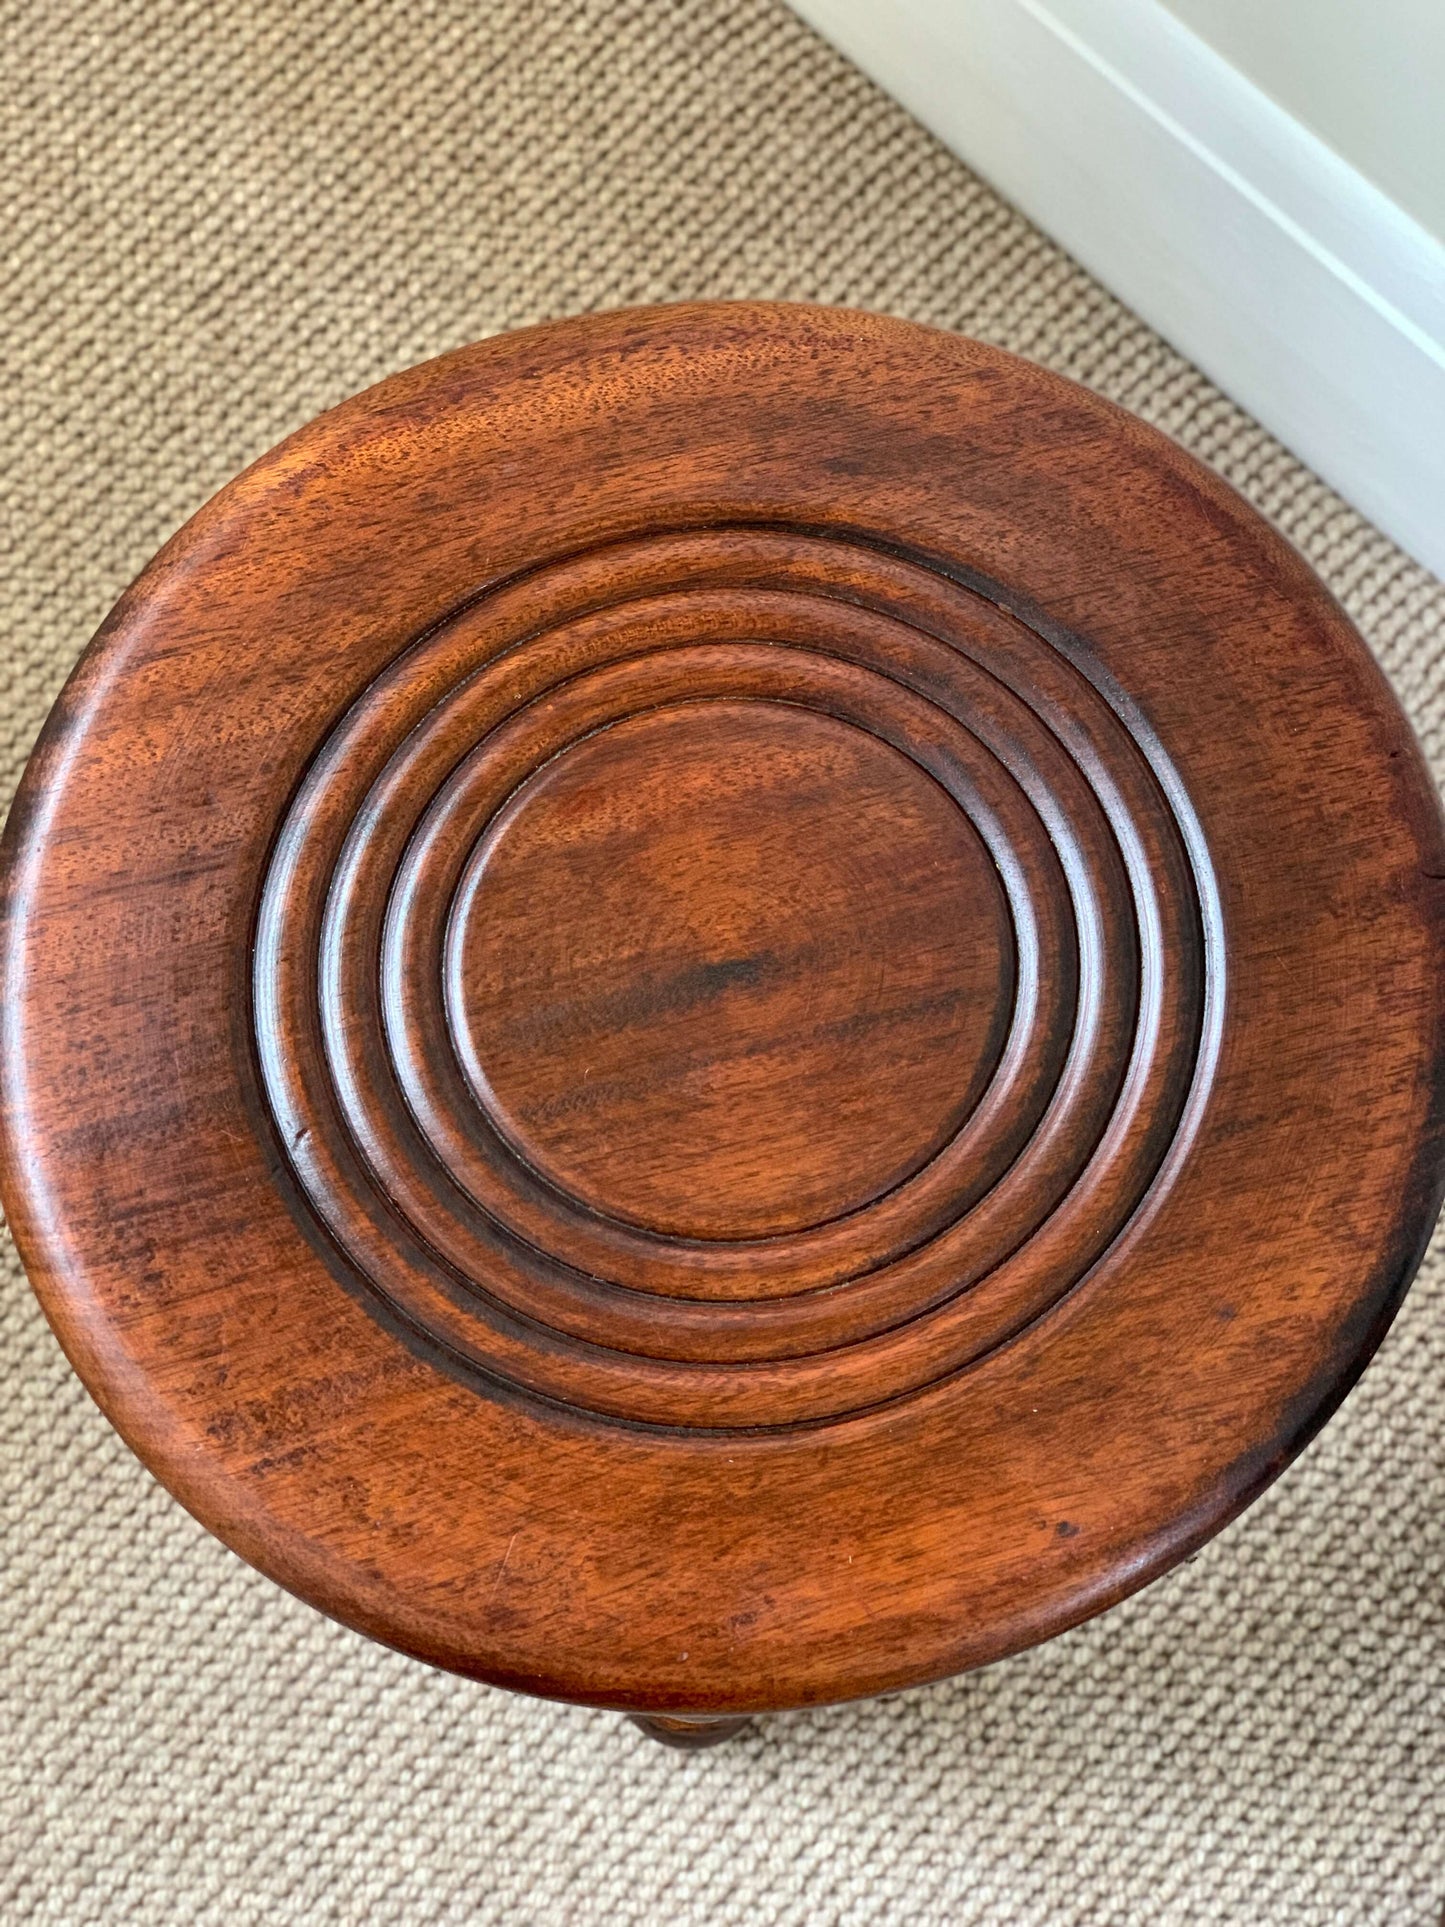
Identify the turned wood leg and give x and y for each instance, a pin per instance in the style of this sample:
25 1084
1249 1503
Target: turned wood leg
690 1732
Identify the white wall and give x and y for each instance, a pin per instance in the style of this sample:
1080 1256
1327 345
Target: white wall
1368 76
1252 242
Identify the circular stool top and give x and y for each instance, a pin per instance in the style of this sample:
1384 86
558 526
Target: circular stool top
722 1007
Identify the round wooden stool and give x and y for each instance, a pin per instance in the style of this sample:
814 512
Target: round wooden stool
722 1007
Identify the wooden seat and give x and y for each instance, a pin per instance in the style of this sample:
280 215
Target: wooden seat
722 1007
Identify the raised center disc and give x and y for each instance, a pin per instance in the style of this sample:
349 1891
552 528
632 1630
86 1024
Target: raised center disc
729 969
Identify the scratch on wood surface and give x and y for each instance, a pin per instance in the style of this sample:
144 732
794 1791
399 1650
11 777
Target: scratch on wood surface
501 1569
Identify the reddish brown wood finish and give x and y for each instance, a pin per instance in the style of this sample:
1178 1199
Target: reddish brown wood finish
722 1007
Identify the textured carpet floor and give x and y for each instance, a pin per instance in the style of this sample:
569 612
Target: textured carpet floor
219 220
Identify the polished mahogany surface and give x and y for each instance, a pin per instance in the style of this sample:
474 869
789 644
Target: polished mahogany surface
720 1007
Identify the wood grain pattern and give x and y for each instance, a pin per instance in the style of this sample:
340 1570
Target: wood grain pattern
722 1007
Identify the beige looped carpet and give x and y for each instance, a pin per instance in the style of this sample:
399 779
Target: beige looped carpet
218 220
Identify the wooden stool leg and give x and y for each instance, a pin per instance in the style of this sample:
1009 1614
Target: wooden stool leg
675 1729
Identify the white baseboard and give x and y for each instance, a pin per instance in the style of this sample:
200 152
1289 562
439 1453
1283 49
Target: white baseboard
1291 280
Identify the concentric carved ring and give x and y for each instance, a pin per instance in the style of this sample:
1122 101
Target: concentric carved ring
746 1138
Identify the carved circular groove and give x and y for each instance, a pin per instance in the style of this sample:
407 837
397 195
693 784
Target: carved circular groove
784 978
427 877
869 1027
